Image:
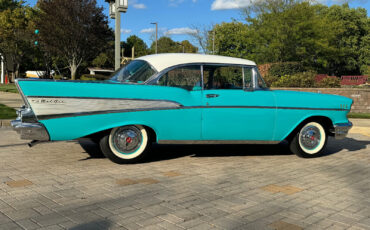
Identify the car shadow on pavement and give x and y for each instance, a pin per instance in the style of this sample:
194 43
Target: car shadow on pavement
91 148
349 144
169 152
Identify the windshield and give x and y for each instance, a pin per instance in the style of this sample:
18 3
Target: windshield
137 71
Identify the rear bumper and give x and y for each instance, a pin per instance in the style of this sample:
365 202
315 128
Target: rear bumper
30 131
340 130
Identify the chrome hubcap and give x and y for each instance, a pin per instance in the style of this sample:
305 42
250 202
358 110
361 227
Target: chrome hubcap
127 139
310 137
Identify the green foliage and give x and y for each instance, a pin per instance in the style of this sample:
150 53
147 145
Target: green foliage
302 80
270 79
230 39
16 34
286 68
359 115
96 77
6 112
141 49
167 45
329 82
76 31
11 88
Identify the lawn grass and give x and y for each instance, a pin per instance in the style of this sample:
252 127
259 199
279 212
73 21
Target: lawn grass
359 115
11 88
7 112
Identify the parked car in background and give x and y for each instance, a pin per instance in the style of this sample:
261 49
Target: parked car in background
179 99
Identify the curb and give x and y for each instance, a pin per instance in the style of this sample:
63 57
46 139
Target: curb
5 124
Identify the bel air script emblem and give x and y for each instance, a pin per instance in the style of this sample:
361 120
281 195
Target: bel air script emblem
48 101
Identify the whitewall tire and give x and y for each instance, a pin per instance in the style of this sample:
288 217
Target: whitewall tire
310 140
126 144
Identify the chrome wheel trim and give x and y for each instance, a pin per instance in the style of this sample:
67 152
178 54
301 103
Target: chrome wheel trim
312 138
128 142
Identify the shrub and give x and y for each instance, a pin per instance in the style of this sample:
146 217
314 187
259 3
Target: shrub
303 80
286 68
96 77
269 79
329 82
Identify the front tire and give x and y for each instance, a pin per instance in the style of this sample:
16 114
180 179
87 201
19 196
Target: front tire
310 141
126 144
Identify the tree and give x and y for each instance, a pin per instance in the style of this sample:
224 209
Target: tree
349 40
73 30
188 47
15 33
9 4
141 49
231 39
167 45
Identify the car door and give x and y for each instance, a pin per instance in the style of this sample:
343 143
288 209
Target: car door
183 84
234 108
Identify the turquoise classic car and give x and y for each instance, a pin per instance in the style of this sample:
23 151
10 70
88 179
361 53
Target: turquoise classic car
179 99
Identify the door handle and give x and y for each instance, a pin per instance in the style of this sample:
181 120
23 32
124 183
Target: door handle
212 95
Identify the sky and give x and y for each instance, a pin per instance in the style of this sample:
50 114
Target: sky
177 18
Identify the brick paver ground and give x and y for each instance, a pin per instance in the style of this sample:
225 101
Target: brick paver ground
63 185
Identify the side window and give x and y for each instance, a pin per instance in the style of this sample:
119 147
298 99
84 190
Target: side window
261 83
248 77
187 77
223 77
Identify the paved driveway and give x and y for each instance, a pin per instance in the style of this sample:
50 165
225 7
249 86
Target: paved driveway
63 185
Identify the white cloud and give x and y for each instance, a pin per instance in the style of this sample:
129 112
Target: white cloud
181 31
139 6
125 31
230 4
147 31
136 4
175 3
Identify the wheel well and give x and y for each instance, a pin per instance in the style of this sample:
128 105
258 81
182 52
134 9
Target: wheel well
324 121
151 133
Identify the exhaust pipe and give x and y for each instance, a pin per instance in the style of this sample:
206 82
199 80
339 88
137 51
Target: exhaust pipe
33 143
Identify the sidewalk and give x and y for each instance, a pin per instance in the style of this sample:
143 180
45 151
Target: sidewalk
12 100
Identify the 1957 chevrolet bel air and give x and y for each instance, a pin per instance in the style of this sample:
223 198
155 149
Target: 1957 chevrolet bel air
179 99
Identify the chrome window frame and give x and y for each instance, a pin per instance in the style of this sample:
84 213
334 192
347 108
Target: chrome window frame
155 78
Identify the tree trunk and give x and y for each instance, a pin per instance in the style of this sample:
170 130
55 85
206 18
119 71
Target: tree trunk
73 69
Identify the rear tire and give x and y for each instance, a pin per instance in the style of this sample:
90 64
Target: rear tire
310 140
126 144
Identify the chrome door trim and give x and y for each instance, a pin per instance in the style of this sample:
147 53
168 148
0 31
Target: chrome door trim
223 142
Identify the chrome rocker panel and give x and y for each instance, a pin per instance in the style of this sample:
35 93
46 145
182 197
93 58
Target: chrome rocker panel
341 130
30 131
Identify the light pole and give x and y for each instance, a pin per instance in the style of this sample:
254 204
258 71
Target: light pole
156 36
115 9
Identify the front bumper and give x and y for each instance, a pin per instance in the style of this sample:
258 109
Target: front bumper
340 130
30 131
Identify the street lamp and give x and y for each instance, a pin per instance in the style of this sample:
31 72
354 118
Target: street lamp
156 36
115 9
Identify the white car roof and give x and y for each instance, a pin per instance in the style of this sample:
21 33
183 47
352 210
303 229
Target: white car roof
164 61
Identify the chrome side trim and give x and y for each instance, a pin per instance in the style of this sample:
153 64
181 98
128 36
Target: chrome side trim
223 142
67 106
30 131
76 114
341 130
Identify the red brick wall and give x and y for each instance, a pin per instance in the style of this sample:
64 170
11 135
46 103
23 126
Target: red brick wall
360 97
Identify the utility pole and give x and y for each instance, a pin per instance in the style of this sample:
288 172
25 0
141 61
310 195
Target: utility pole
117 42
115 9
156 36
